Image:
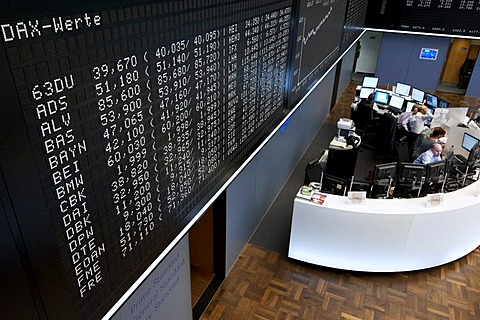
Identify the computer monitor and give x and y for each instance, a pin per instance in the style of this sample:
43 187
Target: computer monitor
410 105
428 54
411 172
384 171
383 175
443 103
474 155
418 95
365 92
333 185
403 89
468 141
370 82
409 180
450 159
381 97
435 171
357 185
431 100
396 102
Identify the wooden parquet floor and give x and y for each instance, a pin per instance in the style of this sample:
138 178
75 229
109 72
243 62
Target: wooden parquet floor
267 285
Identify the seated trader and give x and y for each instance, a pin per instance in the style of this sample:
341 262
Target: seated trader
422 145
366 103
431 155
363 112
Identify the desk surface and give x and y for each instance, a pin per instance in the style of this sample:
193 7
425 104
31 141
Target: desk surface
385 235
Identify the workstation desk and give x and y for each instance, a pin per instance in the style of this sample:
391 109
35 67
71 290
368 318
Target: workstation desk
385 235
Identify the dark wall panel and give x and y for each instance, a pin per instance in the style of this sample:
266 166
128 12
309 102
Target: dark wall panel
394 58
399 60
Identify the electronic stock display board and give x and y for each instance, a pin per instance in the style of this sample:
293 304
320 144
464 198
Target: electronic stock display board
318 41
354 22
118 119
452 17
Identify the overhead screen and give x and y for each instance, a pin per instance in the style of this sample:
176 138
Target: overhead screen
121 120
354 22
457 17
318 41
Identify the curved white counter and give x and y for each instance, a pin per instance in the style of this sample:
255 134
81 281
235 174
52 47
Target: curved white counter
385 235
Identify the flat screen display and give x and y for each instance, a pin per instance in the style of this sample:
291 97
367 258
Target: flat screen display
370 82
318 38
429 17
431 100
396 102
402 89
418 95
468 141
365 92
443 103
428 54
410 105
381 97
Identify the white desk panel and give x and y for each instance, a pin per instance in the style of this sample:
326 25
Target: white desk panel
385 234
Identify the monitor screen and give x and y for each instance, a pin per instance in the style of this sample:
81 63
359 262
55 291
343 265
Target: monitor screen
428 54
357 185
333 185
431 100
418 95
435 171
381 97
402 89
468 141
396 102
384 171
474 155
411 172
410 105
370 82
443 103
365 92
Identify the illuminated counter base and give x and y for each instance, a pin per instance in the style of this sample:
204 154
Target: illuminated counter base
385 235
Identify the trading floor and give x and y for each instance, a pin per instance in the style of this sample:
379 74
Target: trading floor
266 284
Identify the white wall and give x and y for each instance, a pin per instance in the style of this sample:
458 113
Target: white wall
370 43
166 293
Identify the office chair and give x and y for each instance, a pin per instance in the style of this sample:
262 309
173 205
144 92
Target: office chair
314 169
365 121
386 136
402 152
362 116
